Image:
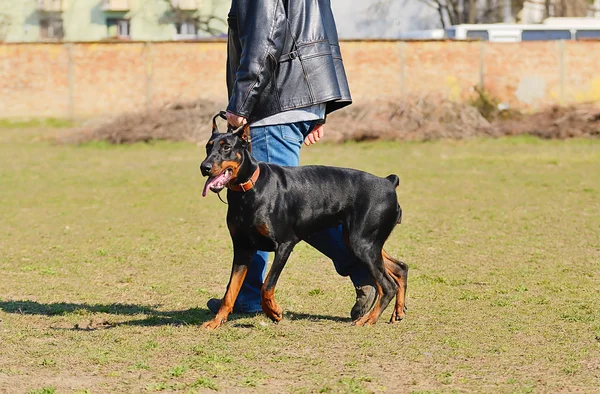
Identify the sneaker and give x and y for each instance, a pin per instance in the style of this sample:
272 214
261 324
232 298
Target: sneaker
214 304
365 299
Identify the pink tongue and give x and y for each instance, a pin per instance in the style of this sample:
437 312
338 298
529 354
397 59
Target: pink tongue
211 181
208 183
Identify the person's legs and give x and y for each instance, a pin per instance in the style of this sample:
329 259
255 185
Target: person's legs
329 242
281 145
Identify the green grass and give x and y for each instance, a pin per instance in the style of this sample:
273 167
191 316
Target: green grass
108 255
24 123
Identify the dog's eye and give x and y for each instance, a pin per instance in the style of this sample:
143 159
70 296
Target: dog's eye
226 148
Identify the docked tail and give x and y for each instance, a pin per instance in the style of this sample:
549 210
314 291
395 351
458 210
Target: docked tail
396 181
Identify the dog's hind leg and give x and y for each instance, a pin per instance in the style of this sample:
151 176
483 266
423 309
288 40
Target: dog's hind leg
241 259
267 292
398 270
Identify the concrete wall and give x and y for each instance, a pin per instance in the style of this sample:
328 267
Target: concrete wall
88 79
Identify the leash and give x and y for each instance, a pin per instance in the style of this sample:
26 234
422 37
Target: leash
246 135
220 198
222 115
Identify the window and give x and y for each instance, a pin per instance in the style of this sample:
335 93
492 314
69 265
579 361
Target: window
51 28
583 34
187 28
542 35
478 35
118 27
451 32
49 5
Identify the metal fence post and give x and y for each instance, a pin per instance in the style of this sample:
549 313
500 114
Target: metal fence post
481 65
148 69
71 81
402 45
561 70
4 76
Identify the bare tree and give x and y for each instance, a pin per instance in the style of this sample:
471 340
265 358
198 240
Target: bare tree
205 20
441 8
493 11
571 7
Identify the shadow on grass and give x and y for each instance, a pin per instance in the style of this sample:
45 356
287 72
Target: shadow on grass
25 307
192 316
155 317
305 316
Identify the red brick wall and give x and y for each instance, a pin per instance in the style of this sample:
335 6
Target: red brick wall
108 78
34 80
87 79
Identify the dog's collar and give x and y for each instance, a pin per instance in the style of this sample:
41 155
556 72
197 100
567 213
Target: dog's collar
249 184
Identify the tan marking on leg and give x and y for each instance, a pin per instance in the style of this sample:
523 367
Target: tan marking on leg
233 289
391 267
268 304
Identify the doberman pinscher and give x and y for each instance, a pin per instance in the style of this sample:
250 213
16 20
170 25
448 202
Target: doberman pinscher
272 208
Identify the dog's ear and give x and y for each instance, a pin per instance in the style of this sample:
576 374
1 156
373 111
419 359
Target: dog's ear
244 132
215 128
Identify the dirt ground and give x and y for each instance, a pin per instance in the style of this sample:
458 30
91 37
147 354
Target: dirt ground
417 119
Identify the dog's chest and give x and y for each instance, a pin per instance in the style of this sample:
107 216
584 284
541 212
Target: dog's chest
255 227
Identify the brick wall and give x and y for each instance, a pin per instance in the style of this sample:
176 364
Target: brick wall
88 79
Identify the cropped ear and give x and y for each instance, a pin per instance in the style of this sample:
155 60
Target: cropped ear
244 132
215 128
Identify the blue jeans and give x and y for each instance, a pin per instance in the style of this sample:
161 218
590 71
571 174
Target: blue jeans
281 144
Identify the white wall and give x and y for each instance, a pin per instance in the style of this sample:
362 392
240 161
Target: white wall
382 18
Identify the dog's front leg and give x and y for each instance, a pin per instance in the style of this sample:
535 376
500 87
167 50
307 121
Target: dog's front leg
267 292
241 259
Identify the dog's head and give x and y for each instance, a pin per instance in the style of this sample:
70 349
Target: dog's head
225 153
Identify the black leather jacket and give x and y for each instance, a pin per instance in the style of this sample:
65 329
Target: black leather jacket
274 66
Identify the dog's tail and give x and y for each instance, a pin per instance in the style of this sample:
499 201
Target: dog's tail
396 181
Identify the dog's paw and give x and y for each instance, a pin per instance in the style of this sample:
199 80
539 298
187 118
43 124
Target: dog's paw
398 317
272 310
275 315
213 324
366 320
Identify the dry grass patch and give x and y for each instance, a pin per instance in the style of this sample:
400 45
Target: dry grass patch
403 119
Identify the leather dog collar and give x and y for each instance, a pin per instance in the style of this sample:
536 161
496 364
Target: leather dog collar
249 184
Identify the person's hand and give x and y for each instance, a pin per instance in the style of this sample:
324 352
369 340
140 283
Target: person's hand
235 120
315 135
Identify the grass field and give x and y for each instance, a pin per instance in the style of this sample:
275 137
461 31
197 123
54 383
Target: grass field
108 255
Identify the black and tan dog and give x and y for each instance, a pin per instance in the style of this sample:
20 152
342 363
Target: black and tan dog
272 208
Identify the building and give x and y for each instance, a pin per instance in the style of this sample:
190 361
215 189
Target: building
96 20
159 20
